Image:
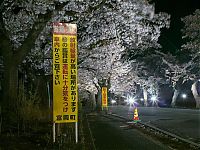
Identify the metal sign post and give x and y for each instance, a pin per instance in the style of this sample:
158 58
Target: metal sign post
54 132
49 96
76 131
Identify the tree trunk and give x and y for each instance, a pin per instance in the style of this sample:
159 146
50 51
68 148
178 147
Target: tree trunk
10 95
40 85
174 98
10 86
99 100
93 100
195 94
10 82
0 120
145 96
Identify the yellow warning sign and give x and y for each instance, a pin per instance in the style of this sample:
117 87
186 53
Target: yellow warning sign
65 91
104 97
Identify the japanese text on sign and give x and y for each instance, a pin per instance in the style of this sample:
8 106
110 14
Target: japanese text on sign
65 96
104 97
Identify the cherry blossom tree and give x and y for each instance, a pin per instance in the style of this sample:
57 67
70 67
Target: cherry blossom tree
124 27
104 37
177 73
25 24
21 23
191 34
108 30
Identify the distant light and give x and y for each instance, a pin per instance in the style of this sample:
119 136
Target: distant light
184 96
113 101
199 80
153 98
141 99
131 100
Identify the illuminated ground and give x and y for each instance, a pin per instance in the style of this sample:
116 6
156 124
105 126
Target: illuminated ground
182 122
109 134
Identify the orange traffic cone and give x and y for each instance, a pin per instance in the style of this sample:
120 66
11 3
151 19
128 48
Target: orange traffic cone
136 117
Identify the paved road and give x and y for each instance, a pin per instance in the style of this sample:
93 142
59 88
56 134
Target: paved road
182 122
109 134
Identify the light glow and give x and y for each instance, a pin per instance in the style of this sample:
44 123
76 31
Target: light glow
113 101
153 98
184 96
130 100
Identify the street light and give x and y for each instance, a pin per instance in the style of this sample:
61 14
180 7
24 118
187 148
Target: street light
131 100
113 102
154 100
184 96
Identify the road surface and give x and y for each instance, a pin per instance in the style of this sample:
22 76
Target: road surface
182 122
113 134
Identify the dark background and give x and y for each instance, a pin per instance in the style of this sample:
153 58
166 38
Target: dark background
171 39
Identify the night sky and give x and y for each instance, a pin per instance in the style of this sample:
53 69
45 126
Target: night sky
170 39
